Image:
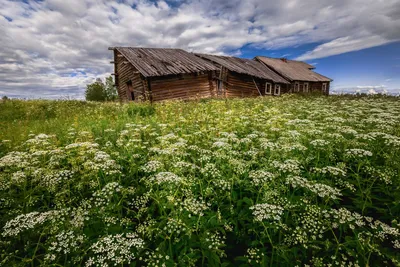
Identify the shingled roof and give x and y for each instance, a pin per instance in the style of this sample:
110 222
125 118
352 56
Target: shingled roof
245 66
293 70
152 62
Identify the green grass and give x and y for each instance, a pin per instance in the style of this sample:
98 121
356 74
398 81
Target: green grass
275 181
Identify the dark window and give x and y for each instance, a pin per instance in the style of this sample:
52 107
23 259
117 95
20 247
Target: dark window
130 90
268 88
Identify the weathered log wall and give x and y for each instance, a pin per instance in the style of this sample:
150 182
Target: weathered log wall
184 86
238 85
312 87
126 73
317 87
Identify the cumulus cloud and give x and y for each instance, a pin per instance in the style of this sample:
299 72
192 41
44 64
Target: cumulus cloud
54 48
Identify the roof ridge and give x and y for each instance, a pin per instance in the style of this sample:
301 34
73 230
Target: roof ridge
140 47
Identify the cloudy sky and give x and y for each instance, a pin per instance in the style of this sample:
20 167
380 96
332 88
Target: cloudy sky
53 48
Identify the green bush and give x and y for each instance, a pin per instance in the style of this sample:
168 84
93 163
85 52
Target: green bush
98 91
95 91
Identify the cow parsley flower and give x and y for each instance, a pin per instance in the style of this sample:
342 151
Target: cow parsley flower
260 177
220 144
152 166
195 206
215 241
335 171
18 178
322 190
116 250
267 212
319 143
27 221
357 152
64 243
288 166
254 256
166 177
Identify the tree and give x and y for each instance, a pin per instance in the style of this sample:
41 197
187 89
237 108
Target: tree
95 91
110 91
98 91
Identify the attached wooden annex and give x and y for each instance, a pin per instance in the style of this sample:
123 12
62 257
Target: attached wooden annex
239 77
157 74
300 74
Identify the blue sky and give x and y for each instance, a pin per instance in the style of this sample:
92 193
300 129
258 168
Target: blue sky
53 48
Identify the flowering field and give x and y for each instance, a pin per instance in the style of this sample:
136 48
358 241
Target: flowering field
288 181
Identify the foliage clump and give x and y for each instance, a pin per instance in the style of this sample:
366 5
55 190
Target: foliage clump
99 91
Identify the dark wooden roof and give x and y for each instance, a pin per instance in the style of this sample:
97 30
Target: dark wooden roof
245 66
293 70
152 62
308 66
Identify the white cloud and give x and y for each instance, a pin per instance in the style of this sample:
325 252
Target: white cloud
54 47
370 86
365 89
343 45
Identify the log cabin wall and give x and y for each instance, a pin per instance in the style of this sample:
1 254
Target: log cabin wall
139 87
262 83
317 87
128 79
312 87
238 85
185 86
328 88
285 88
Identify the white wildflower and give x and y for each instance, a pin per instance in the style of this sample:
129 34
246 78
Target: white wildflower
357 152
267 212
166 177
260 177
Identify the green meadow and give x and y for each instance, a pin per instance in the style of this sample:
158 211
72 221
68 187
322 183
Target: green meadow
271 181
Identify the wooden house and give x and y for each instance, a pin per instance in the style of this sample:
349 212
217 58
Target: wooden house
238 77
157 74
300 74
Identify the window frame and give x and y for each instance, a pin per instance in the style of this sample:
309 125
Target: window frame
296 87
304 87
277 86
270 88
